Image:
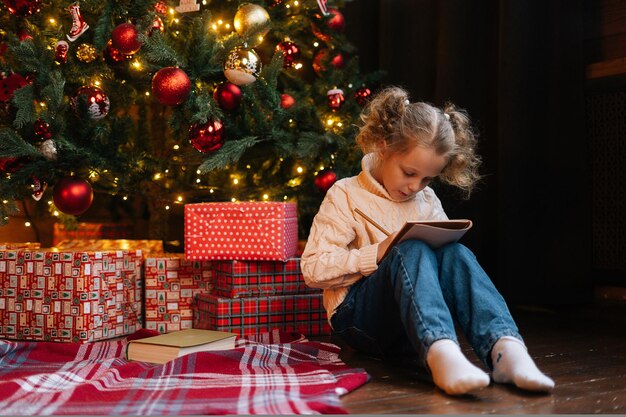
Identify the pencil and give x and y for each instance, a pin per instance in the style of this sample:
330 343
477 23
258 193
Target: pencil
366 217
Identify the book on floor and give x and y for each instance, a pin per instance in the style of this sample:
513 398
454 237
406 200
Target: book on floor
435 233
168 346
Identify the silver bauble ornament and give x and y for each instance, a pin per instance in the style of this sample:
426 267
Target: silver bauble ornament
49 149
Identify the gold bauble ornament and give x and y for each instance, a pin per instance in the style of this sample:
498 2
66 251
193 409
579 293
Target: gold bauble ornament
242 66
86 52
252 18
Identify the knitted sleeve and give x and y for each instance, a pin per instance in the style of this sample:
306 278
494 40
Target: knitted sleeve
327 260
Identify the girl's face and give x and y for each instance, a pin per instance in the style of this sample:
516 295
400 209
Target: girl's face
404 175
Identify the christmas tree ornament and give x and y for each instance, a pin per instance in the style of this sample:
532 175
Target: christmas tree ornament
60 52
227 95
23 8
91 100
39 187
324 180
160 7
337 21
25 36
291 53
125 38
322 6
49 150
171 86
242 66
86 53
11 165
113 56
362 95
286 101
157 24
207 137
186 6
9 84
335 98
79 26
322 57
251 18
72 195
42 129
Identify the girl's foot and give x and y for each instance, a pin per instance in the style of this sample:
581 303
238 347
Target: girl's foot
451 370
513 364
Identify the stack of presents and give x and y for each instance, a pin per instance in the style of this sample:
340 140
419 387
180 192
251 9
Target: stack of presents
240 273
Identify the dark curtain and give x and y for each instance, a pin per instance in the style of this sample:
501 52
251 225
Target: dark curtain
517 68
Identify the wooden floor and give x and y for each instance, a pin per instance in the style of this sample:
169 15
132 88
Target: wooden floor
583 349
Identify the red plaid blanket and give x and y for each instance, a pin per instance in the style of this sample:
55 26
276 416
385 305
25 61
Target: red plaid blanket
271 373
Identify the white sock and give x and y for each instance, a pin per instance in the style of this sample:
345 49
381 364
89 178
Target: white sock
451 370
513 364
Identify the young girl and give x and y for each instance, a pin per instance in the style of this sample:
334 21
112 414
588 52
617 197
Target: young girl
408 302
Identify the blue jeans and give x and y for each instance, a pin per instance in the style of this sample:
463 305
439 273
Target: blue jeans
415 297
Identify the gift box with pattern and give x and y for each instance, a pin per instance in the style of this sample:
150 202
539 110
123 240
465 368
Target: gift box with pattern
69 296
171 283
253 278
19 245
146 246
241 231
301 313
92 231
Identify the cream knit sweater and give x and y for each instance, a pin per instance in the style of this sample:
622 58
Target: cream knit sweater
342 245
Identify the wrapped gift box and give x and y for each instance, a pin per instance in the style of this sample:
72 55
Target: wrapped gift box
243 231
92 231
19 245
253 278
303 313
69 296
146 246
171 283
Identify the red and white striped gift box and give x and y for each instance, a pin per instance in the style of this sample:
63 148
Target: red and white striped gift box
301 313
242 231
171 283
70 296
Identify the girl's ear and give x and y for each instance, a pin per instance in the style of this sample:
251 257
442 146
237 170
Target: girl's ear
382 147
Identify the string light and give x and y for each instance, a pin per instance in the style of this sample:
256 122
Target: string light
167 207
266 197
233 200
157 176
27 224
179 198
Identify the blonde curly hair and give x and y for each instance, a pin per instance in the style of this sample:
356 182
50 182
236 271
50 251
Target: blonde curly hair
391 120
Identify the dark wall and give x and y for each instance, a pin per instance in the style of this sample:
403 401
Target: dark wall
517 67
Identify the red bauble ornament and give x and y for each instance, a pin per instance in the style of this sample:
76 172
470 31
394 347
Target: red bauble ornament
91 100
227 95
335 98
336 22
9 84
324 180
171 86
291 53
113 56
125 38
160 7
11 165
362 95
42 129
72 195
23 8
322 57
207 137
286 101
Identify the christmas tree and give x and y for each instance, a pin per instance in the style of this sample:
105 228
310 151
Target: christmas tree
177 102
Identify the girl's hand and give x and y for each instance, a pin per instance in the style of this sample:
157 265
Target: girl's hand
382 246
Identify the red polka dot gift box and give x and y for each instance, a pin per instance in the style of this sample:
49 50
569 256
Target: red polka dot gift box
264 231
